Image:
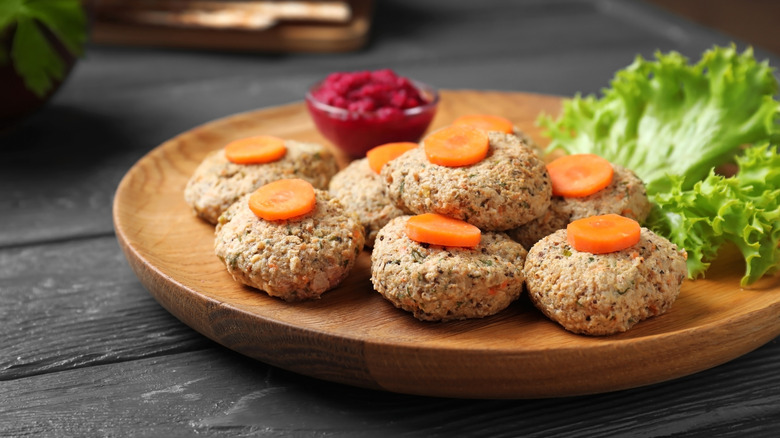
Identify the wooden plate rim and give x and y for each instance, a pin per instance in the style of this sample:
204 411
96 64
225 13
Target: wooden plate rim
365 372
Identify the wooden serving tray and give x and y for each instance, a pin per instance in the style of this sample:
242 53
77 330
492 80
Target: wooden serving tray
353 336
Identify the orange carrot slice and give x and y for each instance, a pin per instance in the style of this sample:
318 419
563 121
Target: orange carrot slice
283 199
380 155
438 229
486 122
603 234
456 146
579 175
255 150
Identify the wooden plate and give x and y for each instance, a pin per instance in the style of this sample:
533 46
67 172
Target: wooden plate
353 336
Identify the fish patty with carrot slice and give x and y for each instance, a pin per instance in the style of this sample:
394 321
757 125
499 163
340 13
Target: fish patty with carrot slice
603 294
625 196
294 259
218 182
489 122
506 189
361 190
444 283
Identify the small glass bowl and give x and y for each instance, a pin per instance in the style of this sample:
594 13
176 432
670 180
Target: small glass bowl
355 132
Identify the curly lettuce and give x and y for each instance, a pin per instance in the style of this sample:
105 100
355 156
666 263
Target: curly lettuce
673 123
666 116
743 209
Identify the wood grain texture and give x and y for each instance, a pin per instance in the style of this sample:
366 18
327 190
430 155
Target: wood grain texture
77 304
353 336
215 393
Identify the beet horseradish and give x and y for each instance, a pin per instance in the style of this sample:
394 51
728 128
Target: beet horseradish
360 110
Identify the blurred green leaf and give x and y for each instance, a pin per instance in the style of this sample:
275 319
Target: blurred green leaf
32 54
41 70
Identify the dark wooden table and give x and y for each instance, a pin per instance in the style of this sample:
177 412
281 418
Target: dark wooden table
86 351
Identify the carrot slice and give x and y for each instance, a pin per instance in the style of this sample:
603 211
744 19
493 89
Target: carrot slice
380 155
603 234
438 229
255 150
486 122
283 199
456 146
579 175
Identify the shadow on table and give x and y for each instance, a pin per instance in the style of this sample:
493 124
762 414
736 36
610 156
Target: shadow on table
63 136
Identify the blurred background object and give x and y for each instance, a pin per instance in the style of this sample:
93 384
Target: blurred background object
39 44
754 21
251 25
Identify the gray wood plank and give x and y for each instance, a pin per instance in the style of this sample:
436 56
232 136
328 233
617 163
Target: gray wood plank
217 393
77 304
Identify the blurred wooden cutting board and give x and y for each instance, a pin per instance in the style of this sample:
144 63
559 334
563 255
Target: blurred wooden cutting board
241 25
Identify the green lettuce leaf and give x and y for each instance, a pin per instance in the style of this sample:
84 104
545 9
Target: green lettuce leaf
666 116
743 209
673 123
